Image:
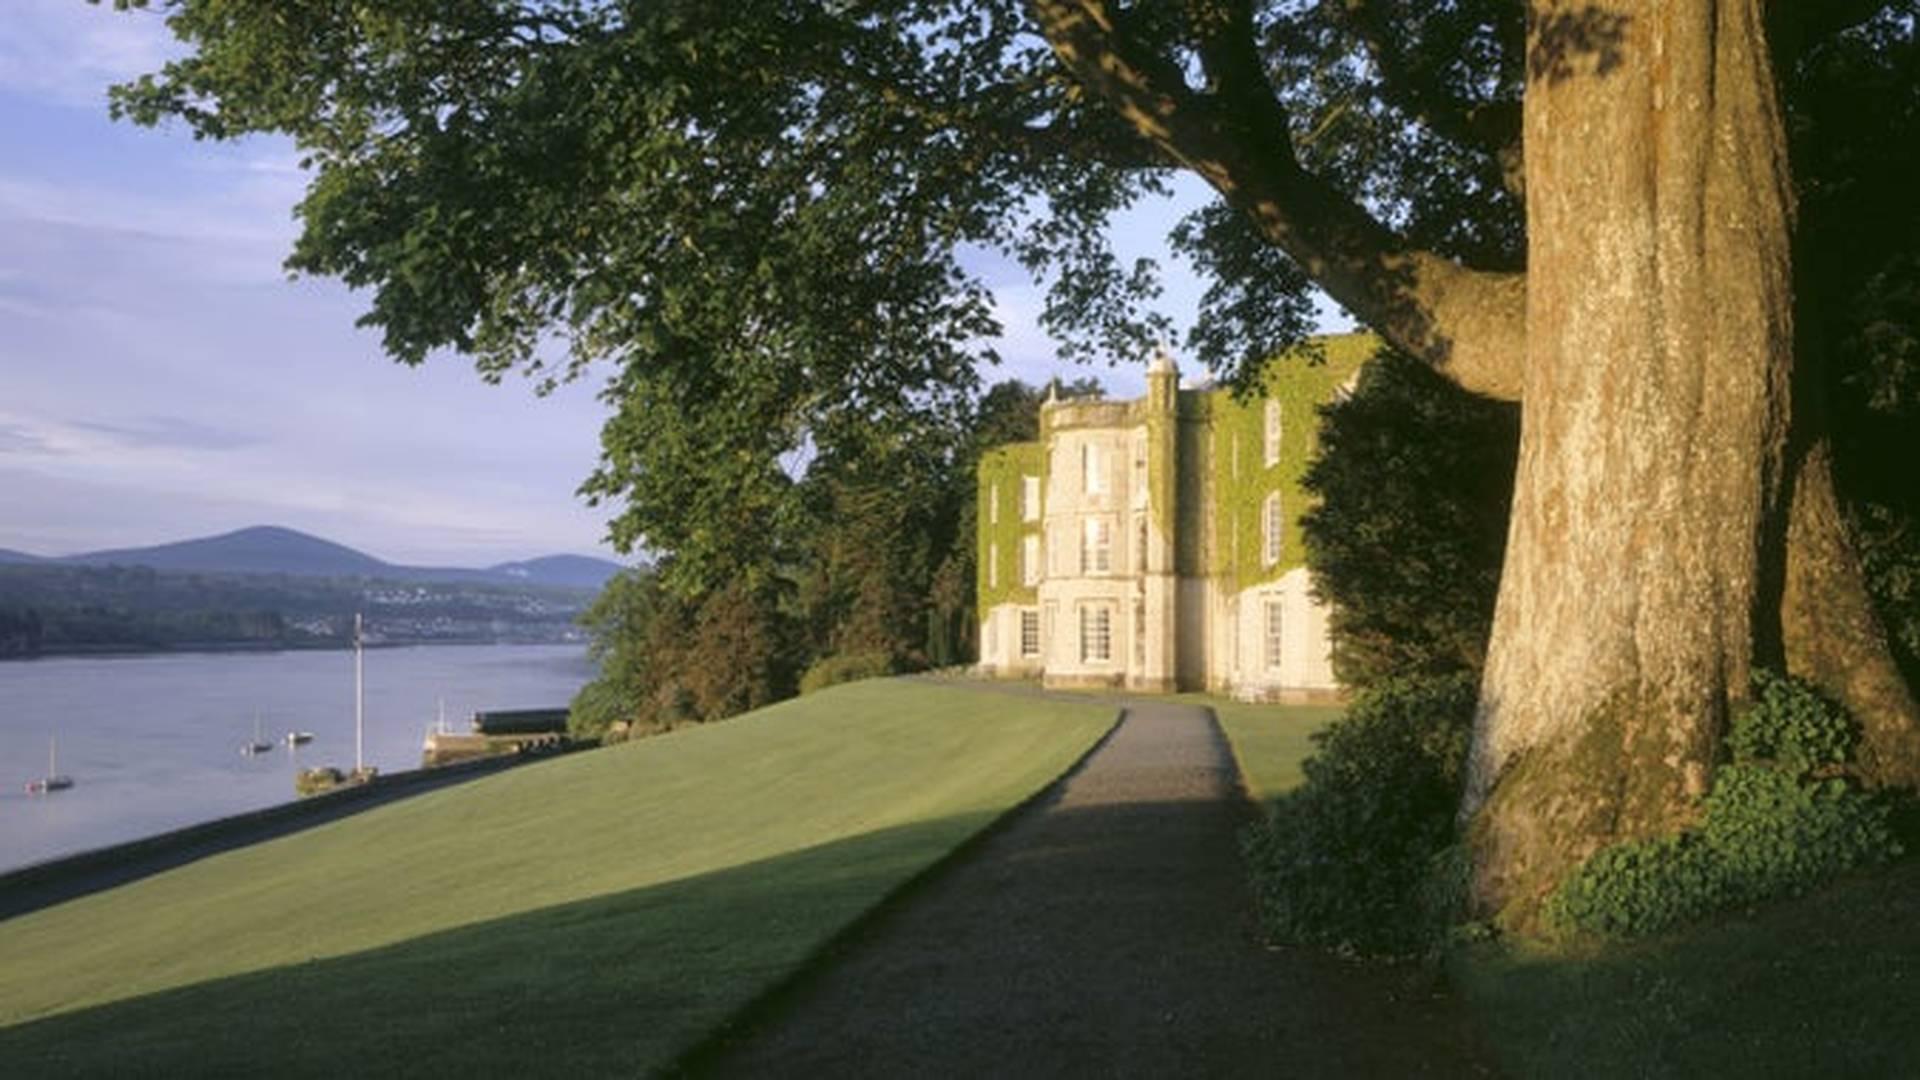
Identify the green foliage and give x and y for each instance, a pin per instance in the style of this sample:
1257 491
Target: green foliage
876 557
1412 481
667 660
765 248
850 667
1779 819
1791 726
1350 858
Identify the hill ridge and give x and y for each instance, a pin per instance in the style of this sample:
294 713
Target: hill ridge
277 549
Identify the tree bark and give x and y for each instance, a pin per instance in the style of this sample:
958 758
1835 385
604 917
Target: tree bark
1656 398
1830 634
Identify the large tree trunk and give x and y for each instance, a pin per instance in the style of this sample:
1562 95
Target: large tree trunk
1656 398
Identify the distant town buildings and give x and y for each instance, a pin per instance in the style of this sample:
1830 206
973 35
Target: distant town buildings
1155 544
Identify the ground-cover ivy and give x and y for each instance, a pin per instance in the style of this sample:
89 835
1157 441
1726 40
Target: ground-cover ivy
1783 814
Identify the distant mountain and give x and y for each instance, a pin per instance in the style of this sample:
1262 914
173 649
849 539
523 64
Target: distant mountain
263 549
270 549
575 571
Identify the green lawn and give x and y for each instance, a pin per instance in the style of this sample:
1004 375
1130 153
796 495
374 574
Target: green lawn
1270 741
1824 985
599 912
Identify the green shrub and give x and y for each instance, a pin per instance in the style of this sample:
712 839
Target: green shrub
315 781
1781 816
1352 858
1413 477
845 668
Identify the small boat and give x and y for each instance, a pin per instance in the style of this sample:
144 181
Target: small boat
53 781
299 738
258 745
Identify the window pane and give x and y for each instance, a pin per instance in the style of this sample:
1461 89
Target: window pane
1276 619
1096 632
1096 546
1093 467
1270 530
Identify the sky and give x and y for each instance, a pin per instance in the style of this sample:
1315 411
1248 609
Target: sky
162 378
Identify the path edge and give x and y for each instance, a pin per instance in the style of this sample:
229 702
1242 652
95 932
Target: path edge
699 1058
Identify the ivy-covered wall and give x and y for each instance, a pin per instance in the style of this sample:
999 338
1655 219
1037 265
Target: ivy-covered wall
1003 468
1228 547
1240 488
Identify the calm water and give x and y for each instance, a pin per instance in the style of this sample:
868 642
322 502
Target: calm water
153 742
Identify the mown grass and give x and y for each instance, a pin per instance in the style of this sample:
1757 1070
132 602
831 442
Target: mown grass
1823 985
1270 741
597 913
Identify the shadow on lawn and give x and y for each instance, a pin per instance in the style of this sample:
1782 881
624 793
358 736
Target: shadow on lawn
562 991
1823 985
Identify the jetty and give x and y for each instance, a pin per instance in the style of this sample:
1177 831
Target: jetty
493 732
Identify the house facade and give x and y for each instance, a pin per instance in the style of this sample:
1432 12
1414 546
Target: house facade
1155 544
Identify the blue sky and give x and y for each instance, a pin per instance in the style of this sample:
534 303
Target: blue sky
160 377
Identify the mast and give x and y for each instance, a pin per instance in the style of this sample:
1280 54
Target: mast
359 696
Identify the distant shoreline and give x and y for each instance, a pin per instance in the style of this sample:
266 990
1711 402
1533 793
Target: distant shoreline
71 652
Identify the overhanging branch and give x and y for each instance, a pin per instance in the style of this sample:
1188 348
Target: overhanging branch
1494 127
1467 324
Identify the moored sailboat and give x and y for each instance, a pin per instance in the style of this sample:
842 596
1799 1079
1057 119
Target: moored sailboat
258 745
53 781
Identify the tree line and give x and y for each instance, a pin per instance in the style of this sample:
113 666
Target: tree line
864 565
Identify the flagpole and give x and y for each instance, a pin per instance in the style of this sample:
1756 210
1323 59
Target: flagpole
359 697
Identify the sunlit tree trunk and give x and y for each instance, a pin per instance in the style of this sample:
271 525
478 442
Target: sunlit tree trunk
1656 405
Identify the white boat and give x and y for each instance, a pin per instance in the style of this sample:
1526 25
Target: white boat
258 745
299 738
53 781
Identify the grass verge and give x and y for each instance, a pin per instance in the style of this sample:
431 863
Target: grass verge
596 913
1269 741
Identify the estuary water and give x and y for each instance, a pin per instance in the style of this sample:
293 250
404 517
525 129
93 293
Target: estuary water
153 742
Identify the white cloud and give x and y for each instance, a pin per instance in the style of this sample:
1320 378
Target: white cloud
239 237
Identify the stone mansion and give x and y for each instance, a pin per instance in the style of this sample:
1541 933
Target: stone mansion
1155 544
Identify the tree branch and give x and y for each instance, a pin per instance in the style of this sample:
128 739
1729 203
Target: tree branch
1466 324
1493 127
